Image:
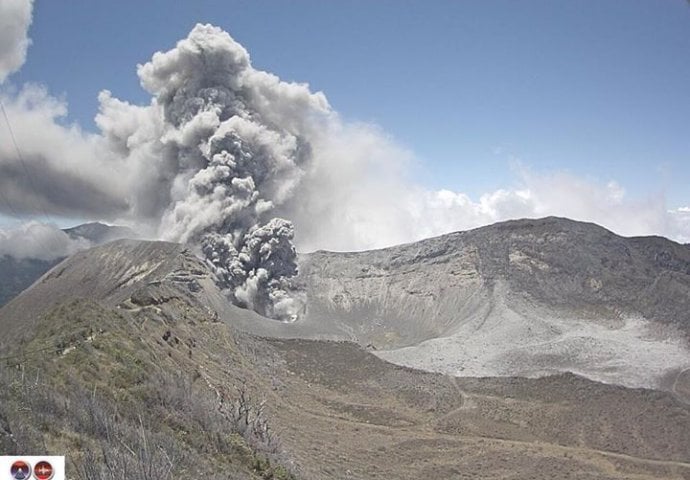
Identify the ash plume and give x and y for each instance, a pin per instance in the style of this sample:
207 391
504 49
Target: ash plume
39 241
232 148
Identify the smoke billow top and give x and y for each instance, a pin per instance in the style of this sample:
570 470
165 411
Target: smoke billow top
247 167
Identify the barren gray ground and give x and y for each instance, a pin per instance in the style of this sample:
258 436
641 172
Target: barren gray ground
525 298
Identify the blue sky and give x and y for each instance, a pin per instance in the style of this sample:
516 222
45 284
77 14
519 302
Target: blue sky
596 88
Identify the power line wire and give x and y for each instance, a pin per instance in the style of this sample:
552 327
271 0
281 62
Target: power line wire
21 157
9 206
56 240
6 200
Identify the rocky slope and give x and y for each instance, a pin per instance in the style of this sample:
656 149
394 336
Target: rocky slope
527 297
18 274
426 289
144 365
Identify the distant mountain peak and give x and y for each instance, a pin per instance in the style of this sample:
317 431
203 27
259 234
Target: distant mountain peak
98 232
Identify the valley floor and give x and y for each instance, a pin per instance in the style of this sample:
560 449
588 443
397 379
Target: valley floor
347 415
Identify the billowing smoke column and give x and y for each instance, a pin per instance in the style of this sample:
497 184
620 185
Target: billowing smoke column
232 150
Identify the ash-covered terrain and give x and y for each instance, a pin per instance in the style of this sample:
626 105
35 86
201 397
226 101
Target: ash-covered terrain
521 298
139 346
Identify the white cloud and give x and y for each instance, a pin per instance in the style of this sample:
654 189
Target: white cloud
15 18
679 224
64 171
544 194
40 241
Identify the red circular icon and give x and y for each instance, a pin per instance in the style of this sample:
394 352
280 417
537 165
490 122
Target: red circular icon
20 470
43 470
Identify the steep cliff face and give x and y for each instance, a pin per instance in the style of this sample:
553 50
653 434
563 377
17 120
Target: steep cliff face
410 293
528 297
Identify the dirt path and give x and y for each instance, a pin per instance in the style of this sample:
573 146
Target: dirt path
684 397
465 404
426 432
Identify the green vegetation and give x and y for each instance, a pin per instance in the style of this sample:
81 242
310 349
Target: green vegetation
121 403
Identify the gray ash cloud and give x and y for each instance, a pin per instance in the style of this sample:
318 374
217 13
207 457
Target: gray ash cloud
232 151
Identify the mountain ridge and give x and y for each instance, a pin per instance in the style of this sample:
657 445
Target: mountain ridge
140 330
525 297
